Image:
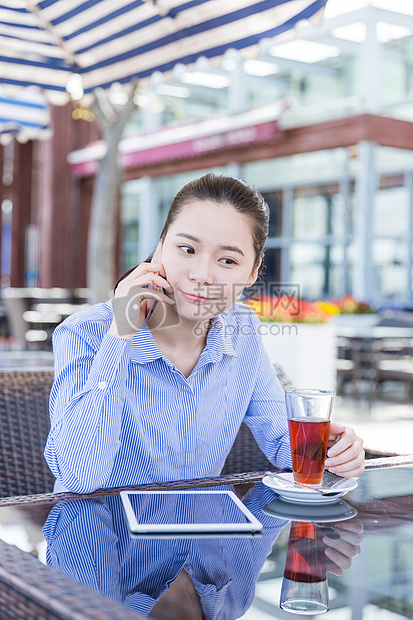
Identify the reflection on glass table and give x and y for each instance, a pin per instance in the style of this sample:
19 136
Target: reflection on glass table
363 545
90 541
304 587
369 567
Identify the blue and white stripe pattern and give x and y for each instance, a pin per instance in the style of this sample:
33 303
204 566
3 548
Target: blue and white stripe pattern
24 115
121 412
89 541
44 41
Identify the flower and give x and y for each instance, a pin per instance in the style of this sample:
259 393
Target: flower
287 309
290 309
349 305
328 307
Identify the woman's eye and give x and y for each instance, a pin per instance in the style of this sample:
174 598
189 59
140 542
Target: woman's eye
228 261
187 249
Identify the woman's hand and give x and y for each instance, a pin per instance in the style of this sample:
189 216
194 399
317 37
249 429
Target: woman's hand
133 294
345 456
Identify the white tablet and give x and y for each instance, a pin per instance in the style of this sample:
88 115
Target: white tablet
192 514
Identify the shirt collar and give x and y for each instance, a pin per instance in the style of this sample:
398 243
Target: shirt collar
145 349
219 339
219 343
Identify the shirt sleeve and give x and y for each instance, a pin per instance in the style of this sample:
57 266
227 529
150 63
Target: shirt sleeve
266 415
86 401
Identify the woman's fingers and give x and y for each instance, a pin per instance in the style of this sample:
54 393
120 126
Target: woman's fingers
143 279
346 455
131 305
144 268
349 463
150 293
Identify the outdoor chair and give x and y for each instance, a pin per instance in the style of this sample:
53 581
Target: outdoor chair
31 591
24 426
346 366
33 313
395 362
28 589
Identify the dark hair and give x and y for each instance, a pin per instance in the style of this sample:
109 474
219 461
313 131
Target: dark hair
240 195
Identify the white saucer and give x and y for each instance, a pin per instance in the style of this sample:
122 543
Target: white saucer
309 513
336 487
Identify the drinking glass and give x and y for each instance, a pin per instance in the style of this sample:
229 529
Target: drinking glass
304 588
309 413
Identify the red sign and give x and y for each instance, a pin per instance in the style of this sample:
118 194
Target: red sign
187 148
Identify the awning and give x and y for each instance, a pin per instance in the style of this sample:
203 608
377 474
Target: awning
44 42
24 116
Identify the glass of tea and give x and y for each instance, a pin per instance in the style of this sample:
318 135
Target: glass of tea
304 587
309 414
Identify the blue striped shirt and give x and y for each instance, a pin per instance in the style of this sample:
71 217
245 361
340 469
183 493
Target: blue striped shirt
122 413
89 540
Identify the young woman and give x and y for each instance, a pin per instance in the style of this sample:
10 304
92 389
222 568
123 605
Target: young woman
154 384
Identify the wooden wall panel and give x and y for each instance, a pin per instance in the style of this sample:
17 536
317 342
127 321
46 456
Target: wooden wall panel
21 214
1 199
62 223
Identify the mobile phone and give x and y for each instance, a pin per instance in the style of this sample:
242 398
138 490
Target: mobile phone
152 303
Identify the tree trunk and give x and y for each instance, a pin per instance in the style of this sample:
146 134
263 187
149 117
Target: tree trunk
102 227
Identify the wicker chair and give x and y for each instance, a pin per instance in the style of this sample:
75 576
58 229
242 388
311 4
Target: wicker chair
24 426
31 591
28 589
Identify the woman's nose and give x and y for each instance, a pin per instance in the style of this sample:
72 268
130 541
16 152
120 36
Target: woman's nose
201 271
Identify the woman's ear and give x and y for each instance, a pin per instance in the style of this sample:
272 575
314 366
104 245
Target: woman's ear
253 276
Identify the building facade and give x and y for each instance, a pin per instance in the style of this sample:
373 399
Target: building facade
322 125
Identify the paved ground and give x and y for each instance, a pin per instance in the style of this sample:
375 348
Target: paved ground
385 425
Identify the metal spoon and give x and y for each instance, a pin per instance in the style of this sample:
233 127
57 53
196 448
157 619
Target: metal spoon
294 484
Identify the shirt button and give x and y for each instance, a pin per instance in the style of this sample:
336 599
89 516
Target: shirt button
102 385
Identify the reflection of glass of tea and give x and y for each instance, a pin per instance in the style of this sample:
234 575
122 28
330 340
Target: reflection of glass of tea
304 588
309 414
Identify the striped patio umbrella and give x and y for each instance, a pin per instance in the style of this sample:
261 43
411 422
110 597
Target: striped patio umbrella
44 42
24 116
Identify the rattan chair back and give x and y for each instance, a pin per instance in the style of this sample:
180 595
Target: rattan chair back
245 455
24 426
31 591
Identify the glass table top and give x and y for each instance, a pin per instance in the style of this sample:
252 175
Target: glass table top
360 548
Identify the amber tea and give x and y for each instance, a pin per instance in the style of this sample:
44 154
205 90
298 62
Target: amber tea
309 437
309 413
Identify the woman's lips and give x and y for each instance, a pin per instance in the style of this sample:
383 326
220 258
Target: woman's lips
197 298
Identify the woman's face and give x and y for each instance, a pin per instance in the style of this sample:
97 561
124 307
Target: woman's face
209 256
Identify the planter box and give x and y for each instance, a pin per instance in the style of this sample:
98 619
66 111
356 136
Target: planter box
306 352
